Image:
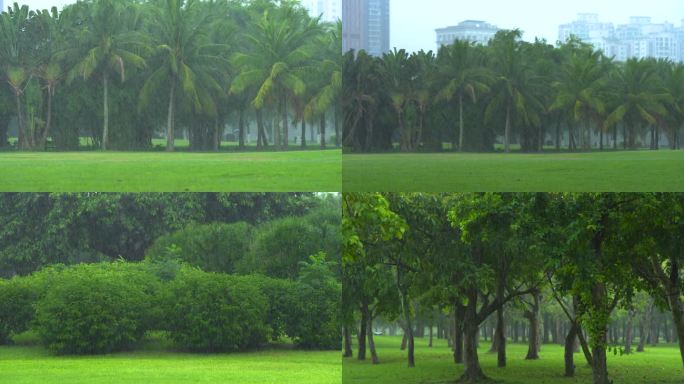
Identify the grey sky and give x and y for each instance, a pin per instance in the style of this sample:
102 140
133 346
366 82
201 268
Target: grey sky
413 21
39 4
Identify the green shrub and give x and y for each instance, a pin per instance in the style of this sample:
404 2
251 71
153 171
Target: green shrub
17 297
281 296
317 325
211 312
212 247
98 308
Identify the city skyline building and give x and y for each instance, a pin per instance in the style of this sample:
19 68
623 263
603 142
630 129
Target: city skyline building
366 26
329 10
476 31
640 38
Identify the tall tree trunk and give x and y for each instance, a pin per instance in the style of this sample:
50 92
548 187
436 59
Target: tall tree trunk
570 351
303 132
558 135
347 342
615 130
645 326
459 313
501 338
336 122
600 364
674 293
48 120
241 128
473 371
371 341
430 335
460 122
170 120
533 317
286 126
507 131
323 144
629 332
21 129
105 129
363 328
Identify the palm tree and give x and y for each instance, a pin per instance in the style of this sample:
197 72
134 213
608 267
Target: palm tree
280 55
110 47
397 71
187 59
639 98
581 89
359 99
330 71
672 76
460 68
513 90
14 54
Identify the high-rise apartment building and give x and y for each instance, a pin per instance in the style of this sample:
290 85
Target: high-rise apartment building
640 38
366 26
329 10
475 31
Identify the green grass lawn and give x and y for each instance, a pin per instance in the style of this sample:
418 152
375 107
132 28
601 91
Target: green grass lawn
435 365
629 171
307 171
156 364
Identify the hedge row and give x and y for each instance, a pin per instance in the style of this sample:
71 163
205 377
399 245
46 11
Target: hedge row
101 308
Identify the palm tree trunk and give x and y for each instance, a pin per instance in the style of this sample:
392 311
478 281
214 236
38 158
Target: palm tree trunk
20 122
460 123
286 127
336 121
241 128
105 129
303 132
507 132
170 129
261 133
216 142
48 123
323 145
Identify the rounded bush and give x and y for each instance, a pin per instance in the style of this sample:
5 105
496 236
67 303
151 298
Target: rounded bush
211 312
17 297
316 324
92 309
212 247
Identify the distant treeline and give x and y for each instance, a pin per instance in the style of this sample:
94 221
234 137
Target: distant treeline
122 72
510 92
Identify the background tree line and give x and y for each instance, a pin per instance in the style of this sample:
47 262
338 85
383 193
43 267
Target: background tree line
471 97
607 266
124 72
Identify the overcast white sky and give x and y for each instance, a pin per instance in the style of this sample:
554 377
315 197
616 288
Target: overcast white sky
413 21
39 4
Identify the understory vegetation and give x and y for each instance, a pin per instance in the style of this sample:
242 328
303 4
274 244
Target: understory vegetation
213 284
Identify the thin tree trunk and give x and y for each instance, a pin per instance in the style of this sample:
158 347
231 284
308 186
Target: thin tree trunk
507 132
170 122
558 139
501 338
570 351
363 328
600 365
241 128
533 317
303 132
628 333
323 144
676 308
21 130
460 122
348 352
286 126
371 341
336 122
105 129
430 336
48 123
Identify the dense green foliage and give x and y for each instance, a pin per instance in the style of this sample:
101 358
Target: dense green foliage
637 171
510 91
16 311
43 229
124 72
216 313
95 309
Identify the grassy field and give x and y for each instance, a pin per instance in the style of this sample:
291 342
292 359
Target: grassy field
630 171
155 364
316 171
435 365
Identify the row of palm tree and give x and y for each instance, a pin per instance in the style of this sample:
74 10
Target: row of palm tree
168 65
472 95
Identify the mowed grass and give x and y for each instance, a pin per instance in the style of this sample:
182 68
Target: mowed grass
660 364
623 171
156 364
300 171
